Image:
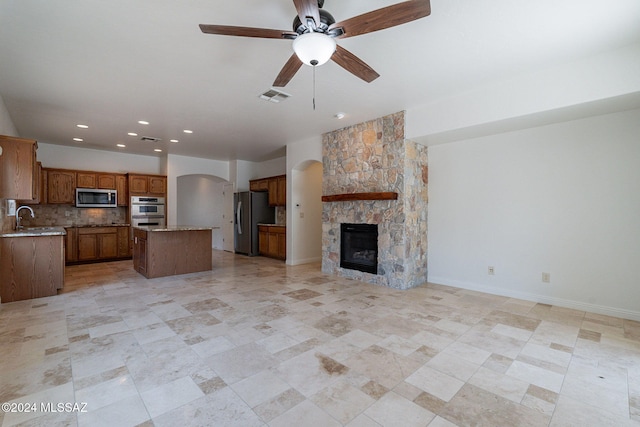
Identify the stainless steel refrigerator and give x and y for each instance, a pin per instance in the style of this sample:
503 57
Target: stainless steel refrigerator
251 208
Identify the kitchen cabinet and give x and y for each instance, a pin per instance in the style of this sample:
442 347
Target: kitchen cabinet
275 185
31 267
121 188
281 195
86 179
272 241
71 245
143 185
102 180
124 247
38 191
18 168
140 251
106 181
259 184
99 243
169 251
95 243
61 186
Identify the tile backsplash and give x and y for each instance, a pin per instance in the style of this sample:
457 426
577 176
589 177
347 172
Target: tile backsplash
67 215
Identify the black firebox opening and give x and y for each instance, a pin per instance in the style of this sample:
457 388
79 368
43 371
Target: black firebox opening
359 247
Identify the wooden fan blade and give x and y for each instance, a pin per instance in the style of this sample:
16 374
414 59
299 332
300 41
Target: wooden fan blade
387 17
264 33
288 71
308 9
353 64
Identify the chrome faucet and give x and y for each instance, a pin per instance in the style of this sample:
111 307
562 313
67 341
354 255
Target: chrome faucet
18 226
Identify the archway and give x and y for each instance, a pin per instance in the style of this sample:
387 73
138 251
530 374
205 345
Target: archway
200 202
306 218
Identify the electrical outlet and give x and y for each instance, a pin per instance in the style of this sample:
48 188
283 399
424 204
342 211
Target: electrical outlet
11 207
546 277
491 271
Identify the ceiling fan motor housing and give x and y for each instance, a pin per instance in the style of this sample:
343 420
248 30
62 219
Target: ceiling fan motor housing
326 20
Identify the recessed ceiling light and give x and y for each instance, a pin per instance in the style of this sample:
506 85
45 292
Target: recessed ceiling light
83 126
121 145
157 150
132 134
187 131
78 139
173 140
339 116
143 122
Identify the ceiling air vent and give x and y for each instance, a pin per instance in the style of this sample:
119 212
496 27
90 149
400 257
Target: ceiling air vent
150 139
274 95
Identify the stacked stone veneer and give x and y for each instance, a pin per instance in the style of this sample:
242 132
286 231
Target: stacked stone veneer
375 157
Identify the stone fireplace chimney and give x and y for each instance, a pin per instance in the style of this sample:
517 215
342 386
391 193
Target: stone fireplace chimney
361 163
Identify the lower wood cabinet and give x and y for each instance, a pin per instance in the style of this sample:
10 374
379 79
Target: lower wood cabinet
85 244
71 245
272 241
140 251
31 267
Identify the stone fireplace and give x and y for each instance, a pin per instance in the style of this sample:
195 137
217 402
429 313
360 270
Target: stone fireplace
360 163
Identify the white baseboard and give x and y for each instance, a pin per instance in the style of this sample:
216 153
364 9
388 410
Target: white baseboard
543 299
303 261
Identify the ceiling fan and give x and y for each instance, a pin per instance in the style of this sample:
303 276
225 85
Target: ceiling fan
315 30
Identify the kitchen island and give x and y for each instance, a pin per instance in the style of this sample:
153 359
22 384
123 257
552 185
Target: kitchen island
32 263
167 251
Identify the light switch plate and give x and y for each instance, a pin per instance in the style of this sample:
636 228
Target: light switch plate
11 207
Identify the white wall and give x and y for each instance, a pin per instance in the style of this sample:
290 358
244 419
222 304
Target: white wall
6 124
65 157
561 198
200 203
301 232
581 82
178 166
306 224
244 171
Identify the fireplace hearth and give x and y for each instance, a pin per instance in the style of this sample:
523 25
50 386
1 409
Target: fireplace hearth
359 247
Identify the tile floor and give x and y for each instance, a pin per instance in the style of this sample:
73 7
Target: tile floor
255 343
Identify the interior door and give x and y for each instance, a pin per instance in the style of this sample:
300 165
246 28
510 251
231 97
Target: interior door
227 217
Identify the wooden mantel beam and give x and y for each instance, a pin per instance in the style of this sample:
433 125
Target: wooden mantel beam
360 196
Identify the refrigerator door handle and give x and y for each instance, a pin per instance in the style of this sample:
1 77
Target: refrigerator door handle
238 216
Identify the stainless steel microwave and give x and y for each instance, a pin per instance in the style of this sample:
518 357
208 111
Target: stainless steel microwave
96 198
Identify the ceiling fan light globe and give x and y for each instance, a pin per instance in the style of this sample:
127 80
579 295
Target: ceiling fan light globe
314 48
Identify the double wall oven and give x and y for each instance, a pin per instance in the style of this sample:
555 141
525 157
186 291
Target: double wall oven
147 211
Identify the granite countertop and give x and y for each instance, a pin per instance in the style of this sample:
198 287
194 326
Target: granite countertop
36 232
98 225
272 225
174 228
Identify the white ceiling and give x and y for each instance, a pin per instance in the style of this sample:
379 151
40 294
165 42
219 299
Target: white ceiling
110 63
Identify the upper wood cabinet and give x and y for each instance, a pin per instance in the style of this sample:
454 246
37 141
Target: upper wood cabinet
106 181
275 185
147 185
281 196
86 180
122 190
61 186
17 168
259 184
